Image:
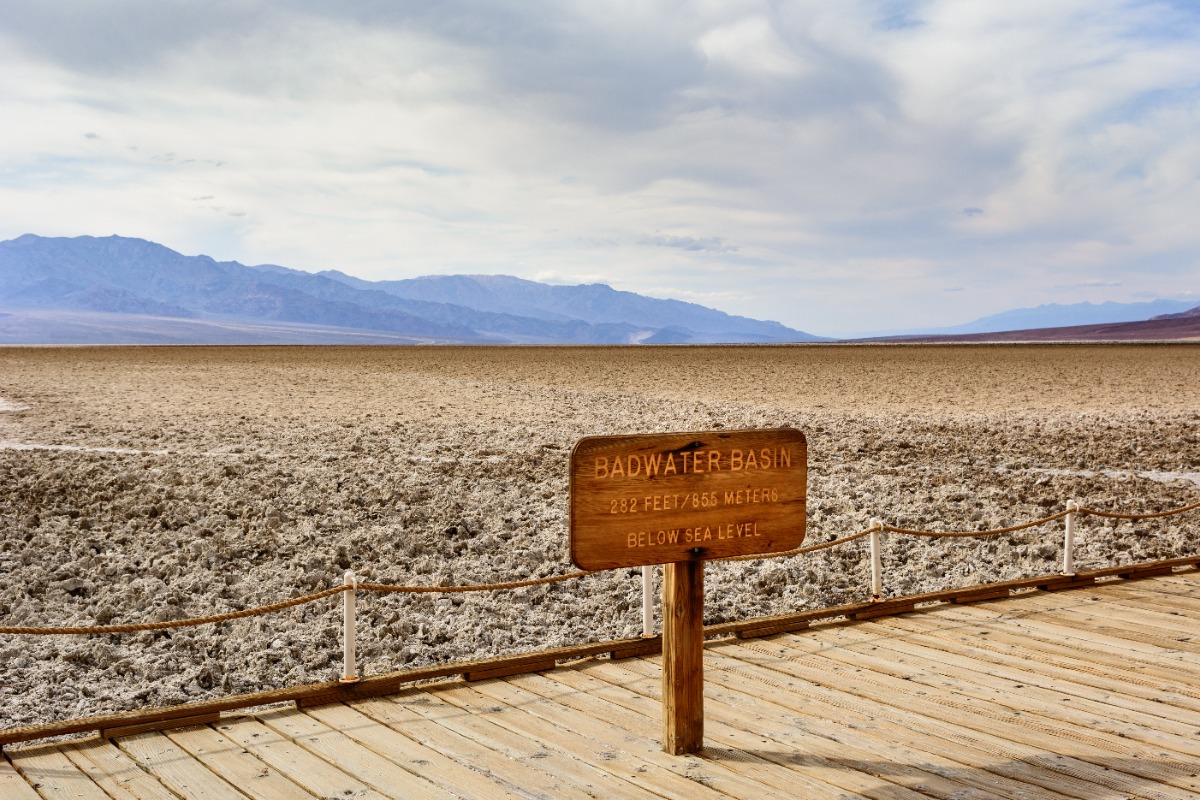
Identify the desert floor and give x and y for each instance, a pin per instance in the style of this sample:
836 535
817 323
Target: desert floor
160 483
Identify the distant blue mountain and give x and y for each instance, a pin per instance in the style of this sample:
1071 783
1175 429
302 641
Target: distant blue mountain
84 278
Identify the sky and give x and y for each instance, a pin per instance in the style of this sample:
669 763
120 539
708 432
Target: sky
839 166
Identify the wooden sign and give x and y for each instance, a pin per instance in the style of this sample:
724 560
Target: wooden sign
664 498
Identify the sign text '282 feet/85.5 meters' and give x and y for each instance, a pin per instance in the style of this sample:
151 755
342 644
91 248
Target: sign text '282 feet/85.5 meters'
661 498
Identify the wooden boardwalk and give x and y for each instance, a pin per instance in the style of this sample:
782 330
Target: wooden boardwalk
1088 693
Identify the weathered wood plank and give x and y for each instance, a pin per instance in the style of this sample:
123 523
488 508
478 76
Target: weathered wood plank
176 769
1136 765
974 674
619 758
622 729
114 772
386 776
434 766
236 764
930 746
13 785
726 747
159 725
585 754
514 745
536 782
53 775
1058 667
314 773
894 765
1059 765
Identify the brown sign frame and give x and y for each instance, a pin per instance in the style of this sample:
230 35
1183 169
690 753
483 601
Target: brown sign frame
670 497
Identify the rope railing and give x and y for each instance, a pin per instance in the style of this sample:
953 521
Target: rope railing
351 585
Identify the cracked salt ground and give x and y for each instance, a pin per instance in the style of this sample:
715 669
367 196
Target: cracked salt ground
448 466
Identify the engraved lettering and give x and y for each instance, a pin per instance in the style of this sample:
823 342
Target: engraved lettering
601 467
785 457
714 460
652 463
670 465
751 461
635 466
766 458
735 460
617 469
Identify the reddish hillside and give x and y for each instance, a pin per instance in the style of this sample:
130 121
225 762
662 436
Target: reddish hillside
1185 326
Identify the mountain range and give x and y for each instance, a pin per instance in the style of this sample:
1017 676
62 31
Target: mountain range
122 290
118 290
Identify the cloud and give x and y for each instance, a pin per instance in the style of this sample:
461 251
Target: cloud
849 149
710 244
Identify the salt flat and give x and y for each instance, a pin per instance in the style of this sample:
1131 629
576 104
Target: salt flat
285 466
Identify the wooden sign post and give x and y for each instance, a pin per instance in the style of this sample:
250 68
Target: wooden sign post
679 499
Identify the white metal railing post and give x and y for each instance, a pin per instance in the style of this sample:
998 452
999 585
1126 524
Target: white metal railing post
647 601
1069 539
876 560
349 669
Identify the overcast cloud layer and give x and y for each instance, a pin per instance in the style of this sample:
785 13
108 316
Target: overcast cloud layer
837 166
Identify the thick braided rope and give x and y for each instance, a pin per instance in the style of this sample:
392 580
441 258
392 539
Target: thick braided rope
812 548
964 534
183 623
1153 515
308 598
480 587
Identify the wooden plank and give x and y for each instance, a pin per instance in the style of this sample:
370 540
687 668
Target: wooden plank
176 769
511 669
160 725
13 785
886 739
535 781
892 764
683 657
643 647
978 597
770 629
1060 766
486 725
617 758
581 754
827 758
727 746
53 775
974 674
385 775
1152 594
315 774
1167 680
114 772
459 779
620 729
236 764
1145 627
1050 622
885 608
1136 764
1056 664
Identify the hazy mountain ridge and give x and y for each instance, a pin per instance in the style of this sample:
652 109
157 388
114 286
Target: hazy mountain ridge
1056 315
125 276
